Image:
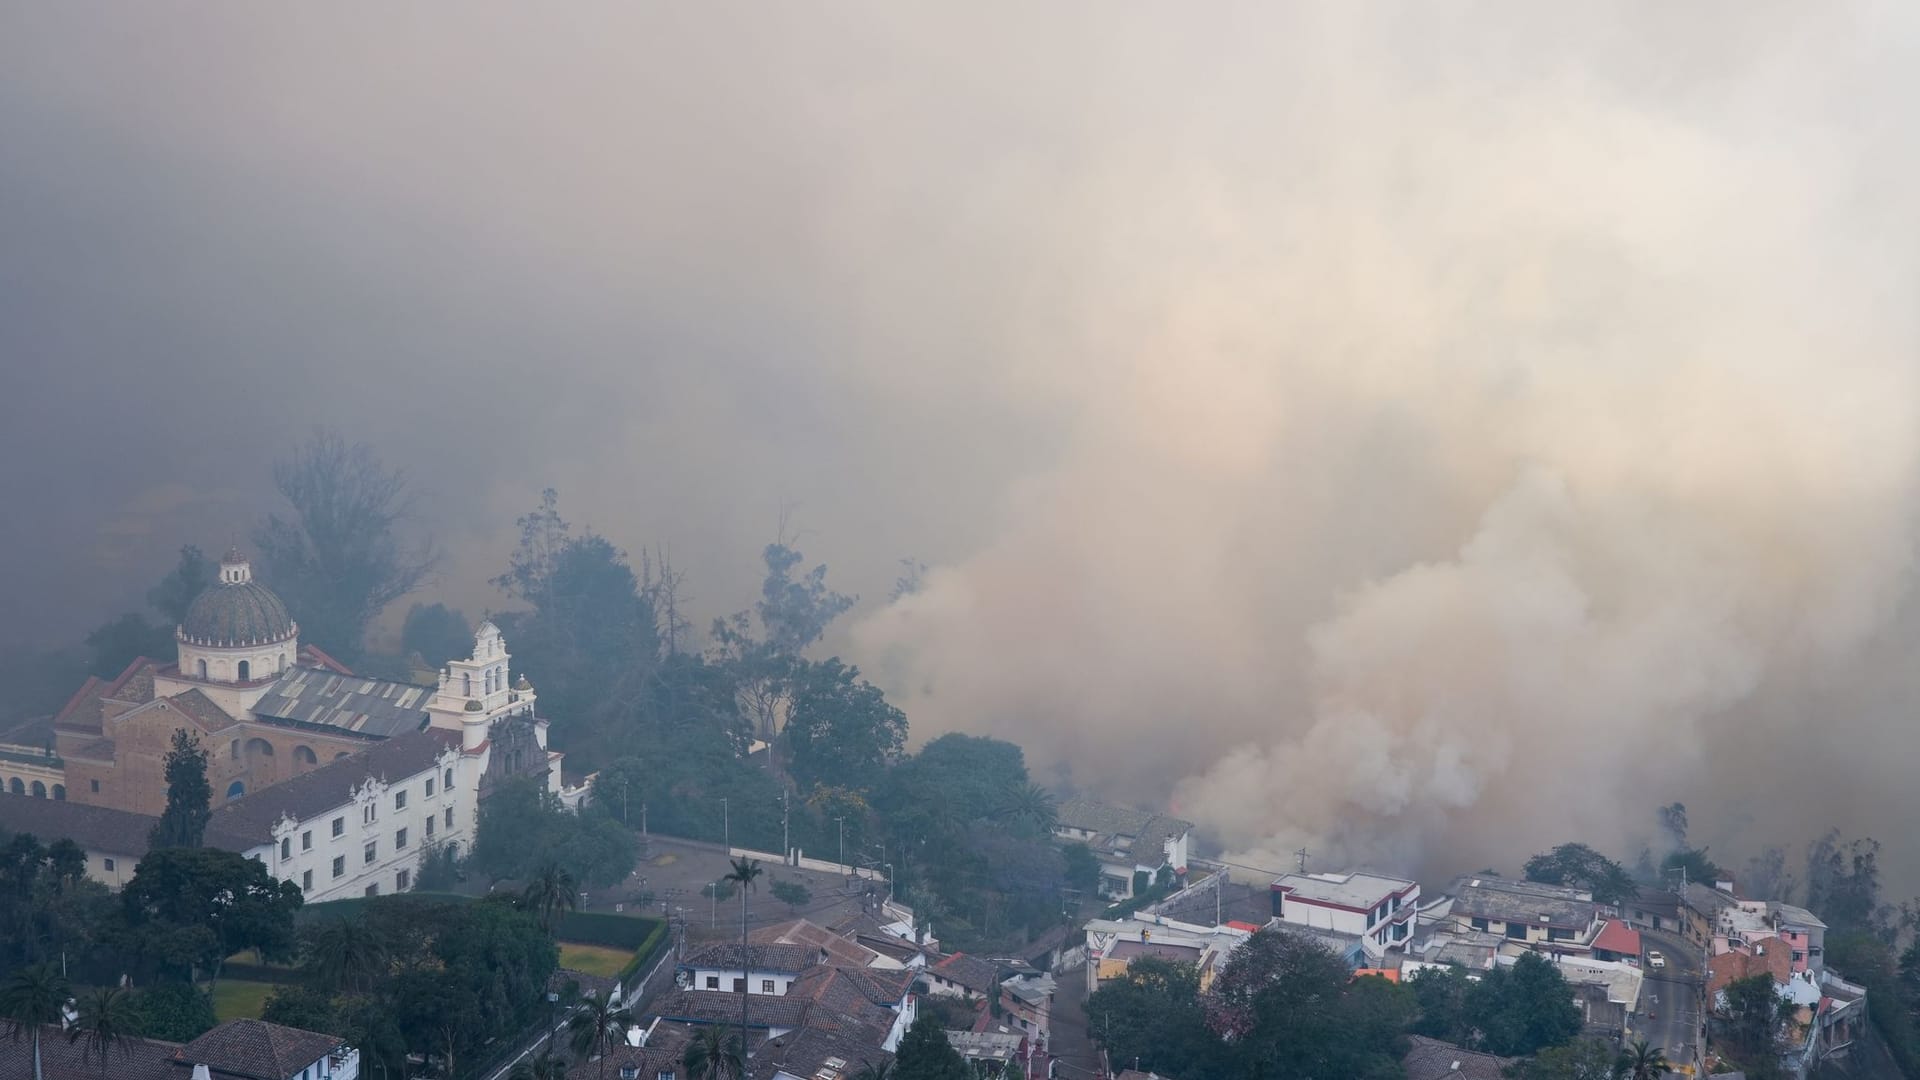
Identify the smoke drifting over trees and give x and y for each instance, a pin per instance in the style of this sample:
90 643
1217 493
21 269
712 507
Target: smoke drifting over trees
1402 430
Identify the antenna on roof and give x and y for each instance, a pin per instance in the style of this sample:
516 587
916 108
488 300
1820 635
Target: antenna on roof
1300 857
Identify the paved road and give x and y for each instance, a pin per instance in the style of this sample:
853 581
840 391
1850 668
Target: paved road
1670 1000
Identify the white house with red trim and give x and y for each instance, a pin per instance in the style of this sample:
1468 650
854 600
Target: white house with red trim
1383 911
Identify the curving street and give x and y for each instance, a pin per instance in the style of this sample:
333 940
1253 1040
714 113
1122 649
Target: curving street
1670 1001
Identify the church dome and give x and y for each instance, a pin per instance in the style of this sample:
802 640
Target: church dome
236 611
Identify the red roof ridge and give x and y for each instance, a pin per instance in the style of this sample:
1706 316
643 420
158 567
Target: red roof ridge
78 696
326 661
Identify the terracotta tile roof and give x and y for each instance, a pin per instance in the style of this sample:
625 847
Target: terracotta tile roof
82 710
837 949
259 1049
720 1007
819 1054
98 829
852 991
1431 1059
129 1059
309 795
784 959
135 684
971 972
1616 936
666 1045
204 712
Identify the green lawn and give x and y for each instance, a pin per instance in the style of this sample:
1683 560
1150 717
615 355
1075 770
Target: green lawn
593 959
235 999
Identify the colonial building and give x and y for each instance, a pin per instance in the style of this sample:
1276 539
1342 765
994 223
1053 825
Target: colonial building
235 1050
269 709
357 826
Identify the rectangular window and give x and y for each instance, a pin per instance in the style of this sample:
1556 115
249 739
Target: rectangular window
1517 931
370 851
306 880
286 847
108 864
766 986
373 890
1555 933
95 784
429 826
401 880
399 839
339 866
1479 924
713 982
740 985
449 817
429 787
306 840
1798 956
400 799
339 826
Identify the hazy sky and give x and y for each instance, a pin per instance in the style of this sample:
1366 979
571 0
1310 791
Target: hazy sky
1426 431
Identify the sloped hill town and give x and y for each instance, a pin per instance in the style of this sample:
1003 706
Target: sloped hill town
254 855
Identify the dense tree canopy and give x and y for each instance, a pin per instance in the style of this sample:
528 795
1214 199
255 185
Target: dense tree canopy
925 1054
1582 866
1152 1016
436 633
840 729
189 908
523 827
1511 1010
338 558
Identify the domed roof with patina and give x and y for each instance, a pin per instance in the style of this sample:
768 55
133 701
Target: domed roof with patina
236 611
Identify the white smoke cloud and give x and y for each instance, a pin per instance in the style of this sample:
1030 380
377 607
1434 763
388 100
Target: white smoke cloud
1479 479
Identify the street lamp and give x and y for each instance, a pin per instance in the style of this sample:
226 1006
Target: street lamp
842 821
889 867
726 826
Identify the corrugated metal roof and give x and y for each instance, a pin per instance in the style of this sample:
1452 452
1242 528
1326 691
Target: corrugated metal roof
374 707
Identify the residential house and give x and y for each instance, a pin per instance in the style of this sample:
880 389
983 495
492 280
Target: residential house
1554 919
1133 846
767 969
1112 944
234 1050
1382 911
1431 1059
1655 909
835 949
1725 923
359 825
1027 1001
993 1052
963 976
1617 942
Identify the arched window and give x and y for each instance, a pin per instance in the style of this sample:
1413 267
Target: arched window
466 684
304 755
446 784
259 748
59 793
234 749
39 790
16 786
280 663
236 789
203 669
246 671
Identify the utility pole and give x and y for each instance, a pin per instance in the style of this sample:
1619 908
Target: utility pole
643 820
726 826
623 804
786 808
842 822
1301 859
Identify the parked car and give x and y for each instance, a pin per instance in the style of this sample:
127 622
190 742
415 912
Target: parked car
1655 959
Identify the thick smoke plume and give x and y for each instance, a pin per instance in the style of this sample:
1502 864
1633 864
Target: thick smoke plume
1425 432
1522 444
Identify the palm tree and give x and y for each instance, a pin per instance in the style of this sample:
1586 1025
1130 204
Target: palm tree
106 1019
744 873
32 998
598 1028
1645 1062
544 1067
345 955
566 1001
1029 805
550 891
713 1056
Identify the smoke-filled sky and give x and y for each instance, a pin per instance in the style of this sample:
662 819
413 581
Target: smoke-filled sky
1426 432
